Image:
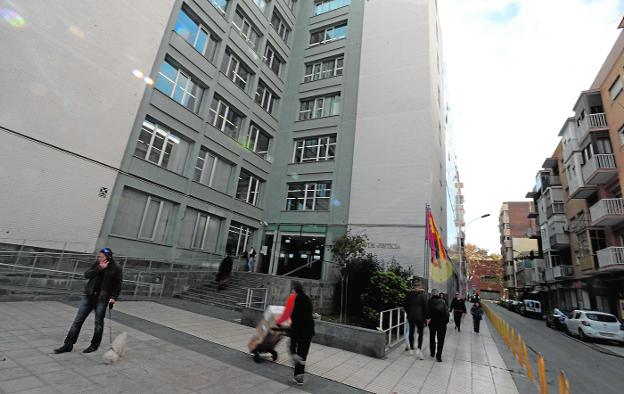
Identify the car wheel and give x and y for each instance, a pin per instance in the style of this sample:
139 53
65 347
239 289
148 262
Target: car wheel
582 335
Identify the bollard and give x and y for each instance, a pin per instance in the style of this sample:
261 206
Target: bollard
512 340
541 372
527 362
519 343
564 384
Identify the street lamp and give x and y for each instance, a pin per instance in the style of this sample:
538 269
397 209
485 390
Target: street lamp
463 262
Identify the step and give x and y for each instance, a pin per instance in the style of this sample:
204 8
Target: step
209 302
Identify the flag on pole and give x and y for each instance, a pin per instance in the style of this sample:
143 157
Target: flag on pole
440 267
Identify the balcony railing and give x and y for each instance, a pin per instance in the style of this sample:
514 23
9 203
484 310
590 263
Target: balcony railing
559 241
611 256
550 180
555 208
592 121
599 169
561 271
607 212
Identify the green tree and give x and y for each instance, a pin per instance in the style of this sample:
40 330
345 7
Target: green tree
346 250
386 291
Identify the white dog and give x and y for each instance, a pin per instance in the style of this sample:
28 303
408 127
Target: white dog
117 349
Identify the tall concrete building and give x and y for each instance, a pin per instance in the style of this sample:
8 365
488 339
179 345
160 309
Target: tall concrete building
181 129
514 224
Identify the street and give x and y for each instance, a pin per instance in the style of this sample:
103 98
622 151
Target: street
588 369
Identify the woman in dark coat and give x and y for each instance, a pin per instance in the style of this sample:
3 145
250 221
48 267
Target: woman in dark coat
299 309
477 315
415 306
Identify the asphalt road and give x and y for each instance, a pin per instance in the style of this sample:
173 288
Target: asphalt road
588 369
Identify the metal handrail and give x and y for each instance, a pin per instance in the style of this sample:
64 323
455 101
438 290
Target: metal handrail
249 302
393 327
309 265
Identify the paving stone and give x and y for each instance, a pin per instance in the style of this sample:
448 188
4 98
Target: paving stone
20 384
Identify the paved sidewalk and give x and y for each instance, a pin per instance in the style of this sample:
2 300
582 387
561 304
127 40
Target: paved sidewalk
472 363
172 350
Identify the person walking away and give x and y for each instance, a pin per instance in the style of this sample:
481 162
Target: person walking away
103 286
251 259
299 310
415 306
225 269
437 319
477 315
458 307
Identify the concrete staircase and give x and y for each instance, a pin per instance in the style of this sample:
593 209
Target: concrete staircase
233 296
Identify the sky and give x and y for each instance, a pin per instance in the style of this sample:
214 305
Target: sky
514 69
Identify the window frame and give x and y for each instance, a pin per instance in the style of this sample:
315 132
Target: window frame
169 137
617 81
249 26
320 145
267 99
204 230
189 80
250 137
327 30
221 103
318 3
309 192
251 196
274 58
244 232
210 36
282 29
317 105
160 203
215 4
234 65
318 70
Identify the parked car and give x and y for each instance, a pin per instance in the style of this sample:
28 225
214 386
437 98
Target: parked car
595 325
531 308
557 319
516 306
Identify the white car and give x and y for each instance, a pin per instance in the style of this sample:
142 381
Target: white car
594 324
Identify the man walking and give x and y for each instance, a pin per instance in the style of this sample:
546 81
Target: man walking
458 307
102 289
415 306
437 319
477 315
224 272
299 309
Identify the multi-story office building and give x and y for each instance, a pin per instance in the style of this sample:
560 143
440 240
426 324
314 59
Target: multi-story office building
588 249
181 129
514 224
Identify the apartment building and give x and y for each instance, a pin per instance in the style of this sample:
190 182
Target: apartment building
200 126
516 238
583 241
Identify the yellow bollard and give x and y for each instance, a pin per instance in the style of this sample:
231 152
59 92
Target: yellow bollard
519 343
512 340
564 384
527 362
541 372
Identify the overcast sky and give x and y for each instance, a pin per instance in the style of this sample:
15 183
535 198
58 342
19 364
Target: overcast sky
514 69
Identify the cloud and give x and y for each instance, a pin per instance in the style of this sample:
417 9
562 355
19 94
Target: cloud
512 81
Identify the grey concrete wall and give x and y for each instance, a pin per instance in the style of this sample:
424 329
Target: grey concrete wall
66 77
399 162
354 339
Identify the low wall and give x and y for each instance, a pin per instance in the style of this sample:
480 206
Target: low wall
354 339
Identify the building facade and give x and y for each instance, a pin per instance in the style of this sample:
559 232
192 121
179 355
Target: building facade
516 229
205 126
582 232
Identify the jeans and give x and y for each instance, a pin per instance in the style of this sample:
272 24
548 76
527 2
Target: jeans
300 345
250 264
420 325
439 332
477 323
87 304
457 316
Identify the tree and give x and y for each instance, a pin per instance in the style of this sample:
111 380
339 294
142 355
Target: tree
480 260
386 291
345 251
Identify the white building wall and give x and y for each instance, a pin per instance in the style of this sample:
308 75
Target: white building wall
66 77
399 162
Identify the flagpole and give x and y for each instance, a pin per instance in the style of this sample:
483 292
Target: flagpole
426 261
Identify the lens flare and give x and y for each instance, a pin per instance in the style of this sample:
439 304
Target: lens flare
148 80
336 202
295 176
138 73
12 18
75 30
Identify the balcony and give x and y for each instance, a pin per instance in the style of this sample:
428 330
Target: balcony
587 263
592 122
550 180
611 257
563 271
559 241
556 208
533 233
599 169
607 212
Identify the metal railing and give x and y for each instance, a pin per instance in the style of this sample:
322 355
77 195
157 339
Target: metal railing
392 324
563 271
254 300
592 121
613 255
598 162
606 207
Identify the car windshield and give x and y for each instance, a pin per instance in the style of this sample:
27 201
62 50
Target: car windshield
601 317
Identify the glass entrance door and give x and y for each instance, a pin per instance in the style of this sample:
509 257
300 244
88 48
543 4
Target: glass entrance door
301 256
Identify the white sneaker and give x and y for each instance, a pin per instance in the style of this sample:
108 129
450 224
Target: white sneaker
411 352
420 354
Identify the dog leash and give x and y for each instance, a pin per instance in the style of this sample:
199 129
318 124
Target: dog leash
110 321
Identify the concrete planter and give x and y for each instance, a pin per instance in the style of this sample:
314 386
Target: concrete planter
354 339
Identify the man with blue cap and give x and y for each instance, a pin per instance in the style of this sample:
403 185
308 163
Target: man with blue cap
103 286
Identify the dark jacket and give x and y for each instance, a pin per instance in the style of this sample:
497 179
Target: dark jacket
225 267
437 311
302 322
415 305
458 305
112 277
477 313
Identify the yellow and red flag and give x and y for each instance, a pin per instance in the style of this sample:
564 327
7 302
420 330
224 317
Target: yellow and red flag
440 267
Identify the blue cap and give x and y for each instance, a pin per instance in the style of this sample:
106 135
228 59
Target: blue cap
107 252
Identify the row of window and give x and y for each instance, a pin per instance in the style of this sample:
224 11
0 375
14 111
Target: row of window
150 218
165 148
